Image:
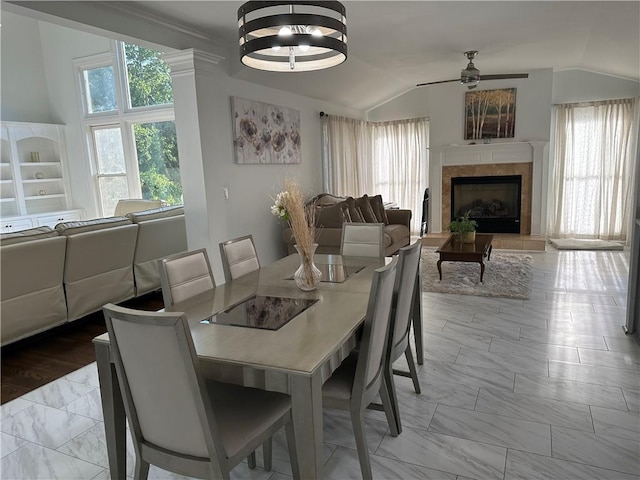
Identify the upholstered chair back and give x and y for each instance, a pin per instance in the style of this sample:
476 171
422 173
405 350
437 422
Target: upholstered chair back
408 265
362 240
185 275
154 357
239 257
376 327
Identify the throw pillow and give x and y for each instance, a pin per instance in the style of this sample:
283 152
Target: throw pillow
378 209
365 209
354 211
331 216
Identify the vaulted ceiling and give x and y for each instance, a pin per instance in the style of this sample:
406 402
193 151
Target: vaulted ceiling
393 45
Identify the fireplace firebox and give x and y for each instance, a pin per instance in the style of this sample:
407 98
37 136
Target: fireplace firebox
492 201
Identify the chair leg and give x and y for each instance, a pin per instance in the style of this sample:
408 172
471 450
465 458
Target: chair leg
251 460
141 470
412 369
390 401
267 454
357 422
293 451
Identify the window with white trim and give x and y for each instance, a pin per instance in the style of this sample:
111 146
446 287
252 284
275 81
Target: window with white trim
127 111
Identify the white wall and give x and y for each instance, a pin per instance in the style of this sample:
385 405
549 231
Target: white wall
582 86
60 45
251 187
23 83
444 105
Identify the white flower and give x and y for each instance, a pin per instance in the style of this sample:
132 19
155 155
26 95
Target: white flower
278 209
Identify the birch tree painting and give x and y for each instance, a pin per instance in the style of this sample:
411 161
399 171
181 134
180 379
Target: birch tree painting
490 114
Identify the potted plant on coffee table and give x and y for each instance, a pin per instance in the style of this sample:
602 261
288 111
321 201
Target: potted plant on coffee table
464 228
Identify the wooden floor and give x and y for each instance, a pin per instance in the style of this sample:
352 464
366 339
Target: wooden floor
36 361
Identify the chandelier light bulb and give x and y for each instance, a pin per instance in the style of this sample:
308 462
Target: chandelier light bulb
284 31
316 33
276 48
303 47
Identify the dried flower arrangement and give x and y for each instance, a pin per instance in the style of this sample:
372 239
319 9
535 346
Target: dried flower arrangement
290 206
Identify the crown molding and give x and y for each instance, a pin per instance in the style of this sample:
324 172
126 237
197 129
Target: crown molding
152 18
187 62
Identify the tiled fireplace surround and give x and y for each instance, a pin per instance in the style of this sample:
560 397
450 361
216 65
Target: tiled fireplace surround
494 169
515 158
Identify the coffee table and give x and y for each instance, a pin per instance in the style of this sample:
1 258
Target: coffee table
454 251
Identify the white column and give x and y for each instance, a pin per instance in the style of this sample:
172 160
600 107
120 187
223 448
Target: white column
539 191
196 75
435 190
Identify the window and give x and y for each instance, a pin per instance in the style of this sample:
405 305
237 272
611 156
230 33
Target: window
593 169
128 113
100 89
157 152
387 158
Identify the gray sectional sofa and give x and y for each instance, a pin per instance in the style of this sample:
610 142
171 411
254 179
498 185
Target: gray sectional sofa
53 276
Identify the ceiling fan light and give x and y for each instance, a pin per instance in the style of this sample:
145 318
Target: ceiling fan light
316 30
470 76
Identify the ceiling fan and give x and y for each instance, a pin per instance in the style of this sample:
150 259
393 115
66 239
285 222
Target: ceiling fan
470 76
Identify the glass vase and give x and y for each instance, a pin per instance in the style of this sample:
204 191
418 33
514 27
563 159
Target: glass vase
307 276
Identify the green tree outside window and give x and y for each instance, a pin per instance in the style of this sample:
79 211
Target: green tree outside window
156 144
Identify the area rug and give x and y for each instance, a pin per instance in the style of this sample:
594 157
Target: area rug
506 275
584 244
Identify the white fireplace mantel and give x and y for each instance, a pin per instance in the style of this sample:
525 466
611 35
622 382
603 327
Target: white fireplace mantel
492 153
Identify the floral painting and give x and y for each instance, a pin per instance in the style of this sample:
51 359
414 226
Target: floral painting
490 114
264 133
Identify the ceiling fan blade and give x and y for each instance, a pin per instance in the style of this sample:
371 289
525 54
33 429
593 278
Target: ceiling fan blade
434 83
503 76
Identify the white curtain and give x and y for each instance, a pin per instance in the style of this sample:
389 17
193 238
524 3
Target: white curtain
387 158
594 162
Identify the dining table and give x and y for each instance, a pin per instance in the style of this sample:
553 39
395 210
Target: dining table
296 358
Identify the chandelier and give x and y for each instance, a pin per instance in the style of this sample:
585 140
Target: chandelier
292 36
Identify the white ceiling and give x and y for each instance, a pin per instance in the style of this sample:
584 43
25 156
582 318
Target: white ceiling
395 44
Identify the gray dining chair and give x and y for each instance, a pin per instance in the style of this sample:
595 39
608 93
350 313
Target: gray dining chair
358 380
362 240
180 421
404 290
185 275
239 257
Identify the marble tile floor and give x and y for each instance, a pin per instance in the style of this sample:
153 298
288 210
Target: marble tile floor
546 388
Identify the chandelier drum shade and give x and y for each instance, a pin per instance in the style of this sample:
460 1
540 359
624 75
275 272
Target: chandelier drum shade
292 36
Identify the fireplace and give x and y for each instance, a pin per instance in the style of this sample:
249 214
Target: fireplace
492 201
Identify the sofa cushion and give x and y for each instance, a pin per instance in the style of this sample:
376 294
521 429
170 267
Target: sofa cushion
378 209
154 213
332 216
27 235
397 232
72 228
354 211
323 199
365 209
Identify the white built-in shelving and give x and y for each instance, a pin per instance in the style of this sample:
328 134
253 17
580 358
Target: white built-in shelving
33 175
